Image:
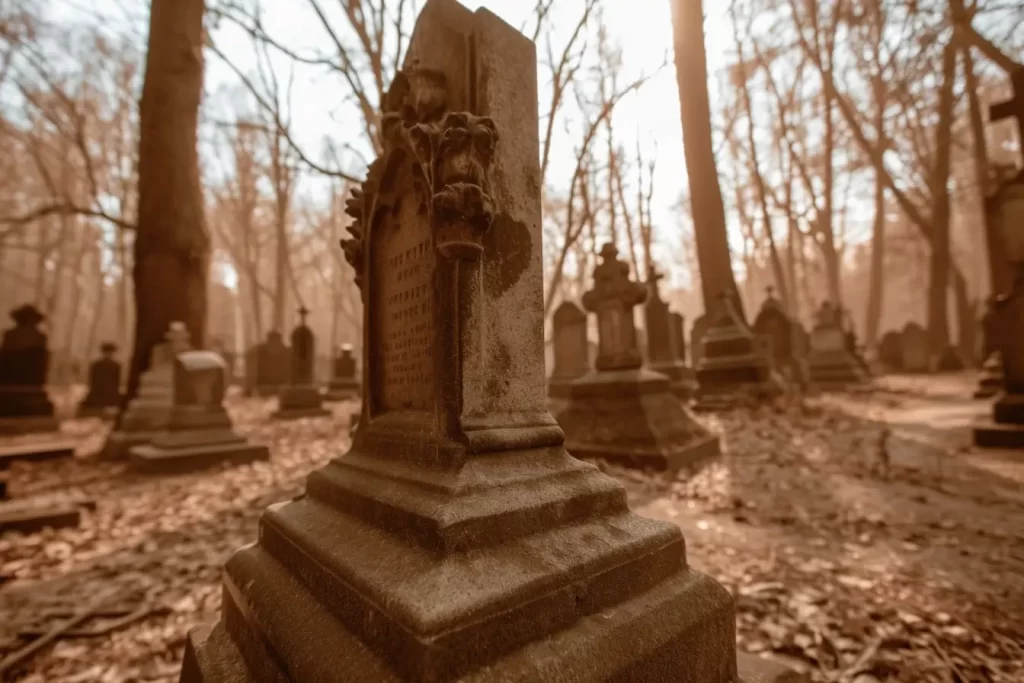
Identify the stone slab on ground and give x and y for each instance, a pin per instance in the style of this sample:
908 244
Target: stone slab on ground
120 443
28 517
28 425
991 434
36 452
153 459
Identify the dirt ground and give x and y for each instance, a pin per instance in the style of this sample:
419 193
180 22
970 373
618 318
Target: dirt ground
863 537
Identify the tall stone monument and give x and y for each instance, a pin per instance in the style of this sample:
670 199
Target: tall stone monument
24 364
457 539
734 362
622 411
301 398
104 396
832 364
663 352
148 414
571 349
199 432
344 384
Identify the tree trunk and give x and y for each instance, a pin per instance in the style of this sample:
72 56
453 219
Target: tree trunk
709 230
876 279
938 281
172 245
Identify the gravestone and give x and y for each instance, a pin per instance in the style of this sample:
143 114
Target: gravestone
914 340
853 345
687 387
199 432
832 364
344 384
148 414
949 360
24 363
663 353
301 398
457 539
782 339
890 351
104 396
622 411
734 363
571 349
697 331
268 366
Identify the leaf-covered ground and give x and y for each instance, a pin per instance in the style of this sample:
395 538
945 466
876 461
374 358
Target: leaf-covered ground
862 536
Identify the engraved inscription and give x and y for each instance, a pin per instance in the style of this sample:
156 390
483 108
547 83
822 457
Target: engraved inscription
403 272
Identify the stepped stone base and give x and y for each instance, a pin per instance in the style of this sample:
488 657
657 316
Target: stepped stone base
1006 428
633 418
835 369
27 517
34 424
168 457
682 379
342 390
36 452
299 402
410 559
119 443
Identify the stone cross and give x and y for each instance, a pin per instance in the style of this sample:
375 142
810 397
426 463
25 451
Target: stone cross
1014 107
612 299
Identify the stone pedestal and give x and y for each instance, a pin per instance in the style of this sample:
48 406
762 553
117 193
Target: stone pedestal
148 414
457 539
632 417
734 363
990 380
199 432
1006 428
832 364
298 402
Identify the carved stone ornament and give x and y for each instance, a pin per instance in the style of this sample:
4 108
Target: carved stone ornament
453 153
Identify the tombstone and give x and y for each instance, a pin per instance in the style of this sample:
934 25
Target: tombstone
344 384
622 411
1005 427
697 331
147 415
734 363
199 433
914 340
267 366
24 364
571 350
853 345
104 396
663 351
457 539
782 339
832 364
686 387
301 398
28 516
890 351
950 360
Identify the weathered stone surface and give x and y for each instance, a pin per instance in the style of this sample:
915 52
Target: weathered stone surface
104 396
1006 427
24 364
300 398
36 452
148 414
199 431
783 340
915 348
831 362
734 363
457 539
344 383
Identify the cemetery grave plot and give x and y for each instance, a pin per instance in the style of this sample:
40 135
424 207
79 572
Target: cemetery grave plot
909 572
